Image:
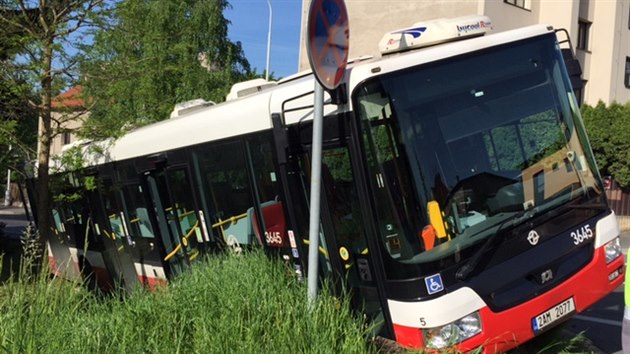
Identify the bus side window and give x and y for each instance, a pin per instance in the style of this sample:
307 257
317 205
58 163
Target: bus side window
226 188
136 212
57 220
339 185
143 222
183 204
112 209
267 188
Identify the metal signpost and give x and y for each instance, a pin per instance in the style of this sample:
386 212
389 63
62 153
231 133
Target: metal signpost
7 193
327 49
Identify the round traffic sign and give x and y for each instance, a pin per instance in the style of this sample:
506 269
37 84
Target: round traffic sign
327 41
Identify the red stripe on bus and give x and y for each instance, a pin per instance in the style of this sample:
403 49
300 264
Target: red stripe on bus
152 283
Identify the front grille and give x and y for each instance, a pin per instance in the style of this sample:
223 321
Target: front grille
529 285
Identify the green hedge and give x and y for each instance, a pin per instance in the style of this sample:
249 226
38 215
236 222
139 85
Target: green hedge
608 129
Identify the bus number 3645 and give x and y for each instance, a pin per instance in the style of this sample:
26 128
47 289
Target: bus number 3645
273 238
582 234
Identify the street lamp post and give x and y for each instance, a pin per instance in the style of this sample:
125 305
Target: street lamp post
7 193
268 41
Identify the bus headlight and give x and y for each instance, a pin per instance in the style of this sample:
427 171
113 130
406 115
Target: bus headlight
452 333
612 250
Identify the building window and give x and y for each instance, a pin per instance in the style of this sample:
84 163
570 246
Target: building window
584 28
523 4
626 79
579 93
65 137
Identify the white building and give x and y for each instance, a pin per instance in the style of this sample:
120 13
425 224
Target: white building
599 31
69 112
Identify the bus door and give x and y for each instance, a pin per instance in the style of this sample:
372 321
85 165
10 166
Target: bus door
61 259
105 221
177 219
85 248
343 249
227 194
135 218
269 220
62 246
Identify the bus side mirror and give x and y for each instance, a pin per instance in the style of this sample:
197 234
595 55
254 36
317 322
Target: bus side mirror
574 69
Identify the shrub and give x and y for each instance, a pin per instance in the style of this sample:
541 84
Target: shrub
609 133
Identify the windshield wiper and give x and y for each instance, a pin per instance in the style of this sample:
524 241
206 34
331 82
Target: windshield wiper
592 206
469 267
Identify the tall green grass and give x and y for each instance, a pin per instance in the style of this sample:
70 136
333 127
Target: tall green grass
224 304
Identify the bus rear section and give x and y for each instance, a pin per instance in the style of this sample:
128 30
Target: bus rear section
491 221
75 250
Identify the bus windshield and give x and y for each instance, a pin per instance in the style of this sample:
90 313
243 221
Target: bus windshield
458 148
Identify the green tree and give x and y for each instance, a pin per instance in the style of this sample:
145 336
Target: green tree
156 54
18 122
609 133
18 127
46 59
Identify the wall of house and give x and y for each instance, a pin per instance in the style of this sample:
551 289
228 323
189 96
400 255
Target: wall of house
72 124
609 46
603 61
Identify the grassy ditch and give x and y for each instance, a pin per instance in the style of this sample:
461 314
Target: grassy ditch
224 304
234 304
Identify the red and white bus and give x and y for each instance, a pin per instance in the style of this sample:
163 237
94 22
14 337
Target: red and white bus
461 202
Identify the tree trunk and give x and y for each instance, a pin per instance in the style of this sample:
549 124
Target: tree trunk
44 204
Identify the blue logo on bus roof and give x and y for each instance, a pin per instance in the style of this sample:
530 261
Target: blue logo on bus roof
414 32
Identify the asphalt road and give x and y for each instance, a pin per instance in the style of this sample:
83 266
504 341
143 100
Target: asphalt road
601 323
15 220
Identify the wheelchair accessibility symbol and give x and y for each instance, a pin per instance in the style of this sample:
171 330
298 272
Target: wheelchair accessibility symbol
434 284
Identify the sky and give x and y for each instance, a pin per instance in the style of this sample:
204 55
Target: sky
249 25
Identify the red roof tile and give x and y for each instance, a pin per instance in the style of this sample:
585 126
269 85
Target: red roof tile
69 99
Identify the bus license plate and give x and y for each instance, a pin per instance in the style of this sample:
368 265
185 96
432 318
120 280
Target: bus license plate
552 315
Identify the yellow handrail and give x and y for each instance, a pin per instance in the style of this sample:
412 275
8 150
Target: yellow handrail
190 232
229 220
185 214
108 235
184 241
194 254
322 250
